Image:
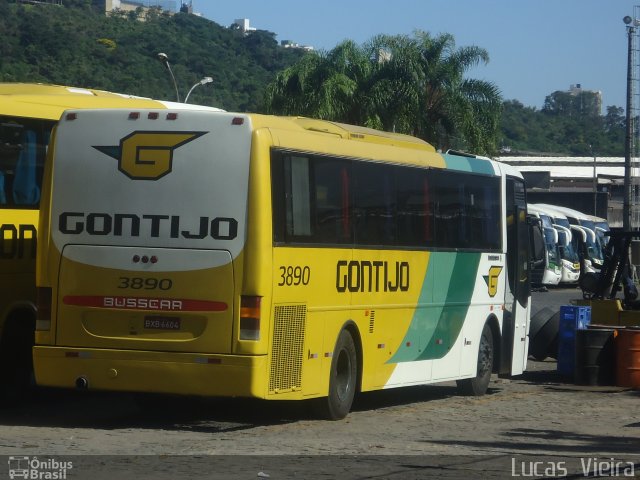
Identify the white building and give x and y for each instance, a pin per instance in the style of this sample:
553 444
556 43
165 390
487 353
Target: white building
243 25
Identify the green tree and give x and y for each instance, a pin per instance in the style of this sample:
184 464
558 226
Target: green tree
457 112
579 104
413 85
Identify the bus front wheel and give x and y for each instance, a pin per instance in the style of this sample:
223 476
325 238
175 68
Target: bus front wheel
342 380
478 384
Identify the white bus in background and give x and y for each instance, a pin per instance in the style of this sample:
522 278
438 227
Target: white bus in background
552 271
593 237
570 261
602 230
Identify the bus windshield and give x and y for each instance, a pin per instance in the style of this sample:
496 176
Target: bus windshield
567 250
552 247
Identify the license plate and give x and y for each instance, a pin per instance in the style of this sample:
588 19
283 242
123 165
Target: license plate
161 323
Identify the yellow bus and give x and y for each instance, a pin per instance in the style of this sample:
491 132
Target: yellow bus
224 254
28 112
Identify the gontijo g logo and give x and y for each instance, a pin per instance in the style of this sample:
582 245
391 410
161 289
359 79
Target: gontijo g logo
147 155
492 280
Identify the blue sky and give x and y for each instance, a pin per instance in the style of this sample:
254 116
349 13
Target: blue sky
536 46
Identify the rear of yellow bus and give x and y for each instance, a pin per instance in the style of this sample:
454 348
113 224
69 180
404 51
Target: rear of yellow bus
140 278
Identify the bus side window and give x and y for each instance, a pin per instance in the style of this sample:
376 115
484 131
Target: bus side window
298 206
414 208
332 188
3 195
25 185
374 204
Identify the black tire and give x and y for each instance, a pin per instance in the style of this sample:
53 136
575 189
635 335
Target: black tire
542 345
343 380
539 319
16 361
478 385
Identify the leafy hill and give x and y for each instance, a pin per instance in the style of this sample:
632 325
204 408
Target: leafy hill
528 131
74 45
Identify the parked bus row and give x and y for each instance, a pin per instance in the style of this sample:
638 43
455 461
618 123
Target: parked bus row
220 254
574 244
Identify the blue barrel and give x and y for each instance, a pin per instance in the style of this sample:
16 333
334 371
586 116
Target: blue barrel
572 319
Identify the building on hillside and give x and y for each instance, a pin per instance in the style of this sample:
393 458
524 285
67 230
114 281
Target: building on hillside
586 184
43 2
292 44
186 7
242 24
133 5
577 90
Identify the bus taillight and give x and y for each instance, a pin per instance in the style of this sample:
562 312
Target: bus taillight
250 317
43 303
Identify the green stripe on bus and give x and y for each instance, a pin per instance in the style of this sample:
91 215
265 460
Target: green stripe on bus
450 281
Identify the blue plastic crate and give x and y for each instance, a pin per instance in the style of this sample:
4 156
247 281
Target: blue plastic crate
572 318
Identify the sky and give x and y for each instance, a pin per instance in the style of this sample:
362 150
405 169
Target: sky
535 47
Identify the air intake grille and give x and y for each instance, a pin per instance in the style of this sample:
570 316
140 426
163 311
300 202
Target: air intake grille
287 351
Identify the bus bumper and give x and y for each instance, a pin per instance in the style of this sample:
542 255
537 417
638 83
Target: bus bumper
145 371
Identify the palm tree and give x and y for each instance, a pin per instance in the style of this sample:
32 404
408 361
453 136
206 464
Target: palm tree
321 85
411 85
456 112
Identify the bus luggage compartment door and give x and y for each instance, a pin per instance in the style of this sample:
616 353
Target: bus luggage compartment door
144 298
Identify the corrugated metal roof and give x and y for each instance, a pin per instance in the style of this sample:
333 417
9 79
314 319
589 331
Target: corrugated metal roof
573 167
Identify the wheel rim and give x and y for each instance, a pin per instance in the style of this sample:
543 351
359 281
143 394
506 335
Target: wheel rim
343 374
484 357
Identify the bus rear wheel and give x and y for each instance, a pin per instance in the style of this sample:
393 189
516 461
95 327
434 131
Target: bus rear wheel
342 380
478 385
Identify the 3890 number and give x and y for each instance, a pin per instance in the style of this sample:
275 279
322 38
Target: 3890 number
293 276
138 283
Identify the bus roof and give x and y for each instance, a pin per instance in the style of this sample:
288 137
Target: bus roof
548 210
38 100
340 130
570 212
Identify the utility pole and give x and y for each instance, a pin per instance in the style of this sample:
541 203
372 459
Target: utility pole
626 205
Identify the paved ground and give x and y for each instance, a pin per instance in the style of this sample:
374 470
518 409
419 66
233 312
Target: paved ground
537 425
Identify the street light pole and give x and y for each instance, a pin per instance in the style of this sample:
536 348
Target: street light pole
204 81
165 60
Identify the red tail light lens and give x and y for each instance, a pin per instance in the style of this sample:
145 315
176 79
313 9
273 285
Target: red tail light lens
250 317
43 304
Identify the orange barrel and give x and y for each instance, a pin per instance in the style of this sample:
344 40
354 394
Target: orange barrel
595 356
628 357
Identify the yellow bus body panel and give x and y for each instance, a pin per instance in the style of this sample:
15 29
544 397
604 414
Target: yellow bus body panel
135 371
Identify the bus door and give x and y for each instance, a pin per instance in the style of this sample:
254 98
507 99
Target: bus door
515 329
